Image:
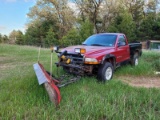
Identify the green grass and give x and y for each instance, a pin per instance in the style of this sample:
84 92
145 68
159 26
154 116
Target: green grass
22 98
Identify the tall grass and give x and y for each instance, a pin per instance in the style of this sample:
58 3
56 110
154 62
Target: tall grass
22 98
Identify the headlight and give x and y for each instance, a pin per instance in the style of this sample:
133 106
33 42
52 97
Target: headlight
80 50
91 61
55 48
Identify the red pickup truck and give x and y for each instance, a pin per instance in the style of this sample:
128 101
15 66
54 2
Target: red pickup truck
99 54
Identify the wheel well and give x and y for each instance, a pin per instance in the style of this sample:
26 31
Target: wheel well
110 60
137 52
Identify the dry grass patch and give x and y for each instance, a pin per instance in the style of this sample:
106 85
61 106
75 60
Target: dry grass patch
141 81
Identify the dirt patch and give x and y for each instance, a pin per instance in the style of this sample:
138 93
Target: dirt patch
7 66
147 82
2 58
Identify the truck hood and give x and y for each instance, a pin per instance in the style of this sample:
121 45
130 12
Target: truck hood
91 51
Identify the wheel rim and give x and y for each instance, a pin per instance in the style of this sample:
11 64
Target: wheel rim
136 61
108 73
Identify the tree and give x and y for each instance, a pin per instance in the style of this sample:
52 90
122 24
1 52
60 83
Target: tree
150 27
54 22
124 23
108 11
135 8
1 39
51 38
71 38
53 10
32 36
78 35
36 34
13 37
16 37
156 29
90 9
5 39
85 30
19 38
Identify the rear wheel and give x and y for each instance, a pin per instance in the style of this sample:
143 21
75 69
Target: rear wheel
105 72
135 61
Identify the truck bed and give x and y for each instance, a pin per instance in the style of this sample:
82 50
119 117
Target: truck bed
135 47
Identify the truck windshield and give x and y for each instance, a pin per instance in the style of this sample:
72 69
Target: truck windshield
101 40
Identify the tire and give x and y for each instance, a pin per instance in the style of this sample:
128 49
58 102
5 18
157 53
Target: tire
105 72
135 60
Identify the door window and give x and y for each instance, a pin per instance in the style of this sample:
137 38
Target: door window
121 41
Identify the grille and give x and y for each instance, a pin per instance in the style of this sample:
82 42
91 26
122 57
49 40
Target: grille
75 58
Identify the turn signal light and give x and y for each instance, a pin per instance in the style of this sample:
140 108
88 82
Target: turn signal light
80 50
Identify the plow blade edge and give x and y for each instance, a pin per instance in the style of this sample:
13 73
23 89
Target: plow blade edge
49 83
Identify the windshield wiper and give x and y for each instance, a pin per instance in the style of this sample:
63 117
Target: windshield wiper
84 44
97 45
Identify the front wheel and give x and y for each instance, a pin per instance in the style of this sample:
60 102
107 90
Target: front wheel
105 72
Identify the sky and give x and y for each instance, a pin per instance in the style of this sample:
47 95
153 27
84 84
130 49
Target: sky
13 15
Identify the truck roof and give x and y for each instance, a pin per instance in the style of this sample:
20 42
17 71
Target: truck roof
109 34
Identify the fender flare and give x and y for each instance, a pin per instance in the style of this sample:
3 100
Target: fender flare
108 56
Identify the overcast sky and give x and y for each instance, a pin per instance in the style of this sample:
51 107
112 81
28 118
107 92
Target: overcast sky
13 15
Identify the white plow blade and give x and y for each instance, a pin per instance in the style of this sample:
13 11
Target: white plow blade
40 74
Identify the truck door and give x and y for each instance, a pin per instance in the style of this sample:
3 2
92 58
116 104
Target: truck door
122 49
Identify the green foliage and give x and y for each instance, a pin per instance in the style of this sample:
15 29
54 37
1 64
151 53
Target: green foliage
40 34
51 38
150 27
45 34
32 36
1 39
54 22
20 38
146 31
56 13
16 37
137 12
86 29
72 38
124 23
5 39
75 36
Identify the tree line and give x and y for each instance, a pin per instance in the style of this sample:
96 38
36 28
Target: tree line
70 22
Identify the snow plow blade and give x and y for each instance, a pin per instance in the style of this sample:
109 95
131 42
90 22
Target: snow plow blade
49 83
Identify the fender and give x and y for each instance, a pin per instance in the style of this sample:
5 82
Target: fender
109 56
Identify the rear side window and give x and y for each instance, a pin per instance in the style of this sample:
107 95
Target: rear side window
121 41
